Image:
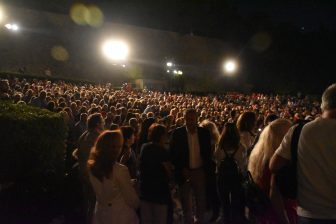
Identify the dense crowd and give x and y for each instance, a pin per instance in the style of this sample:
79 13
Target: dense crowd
160 157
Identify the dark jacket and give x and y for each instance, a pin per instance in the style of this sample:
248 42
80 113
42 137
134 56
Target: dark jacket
180 151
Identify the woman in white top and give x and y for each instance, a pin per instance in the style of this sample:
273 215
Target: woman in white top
116 199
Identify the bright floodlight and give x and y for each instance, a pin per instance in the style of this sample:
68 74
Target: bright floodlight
12 27
168 71
179 72
115 50
169 64
230 66
8 26
15 27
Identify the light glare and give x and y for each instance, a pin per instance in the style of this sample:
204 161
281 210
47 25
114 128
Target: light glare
8 26
12 27
169 64
1 15
230 66
115 50
15 27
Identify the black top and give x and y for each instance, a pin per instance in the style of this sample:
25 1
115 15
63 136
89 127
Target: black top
154 180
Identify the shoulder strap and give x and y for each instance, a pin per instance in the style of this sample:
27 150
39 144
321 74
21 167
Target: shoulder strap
295 141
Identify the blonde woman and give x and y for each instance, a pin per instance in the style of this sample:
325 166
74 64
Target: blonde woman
214 133
116 199
270 139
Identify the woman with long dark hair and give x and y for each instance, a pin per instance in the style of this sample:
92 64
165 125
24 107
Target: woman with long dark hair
230 155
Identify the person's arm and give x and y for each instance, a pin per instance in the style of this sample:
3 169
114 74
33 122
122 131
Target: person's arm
277 202
126 188
277 162
75 154
126 155
282 155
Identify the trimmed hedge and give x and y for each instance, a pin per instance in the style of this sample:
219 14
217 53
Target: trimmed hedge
32 149
32 143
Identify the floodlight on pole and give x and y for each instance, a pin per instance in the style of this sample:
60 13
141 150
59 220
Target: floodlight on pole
115 50
230 66
169 64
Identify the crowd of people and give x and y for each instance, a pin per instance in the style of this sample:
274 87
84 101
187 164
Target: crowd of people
160 157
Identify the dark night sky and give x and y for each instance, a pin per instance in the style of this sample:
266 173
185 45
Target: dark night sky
198 15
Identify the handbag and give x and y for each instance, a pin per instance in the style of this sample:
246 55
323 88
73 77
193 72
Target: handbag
256 199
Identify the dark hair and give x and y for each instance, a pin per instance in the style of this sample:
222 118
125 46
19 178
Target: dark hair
230 137
246 121
94 120
190 111
127 132
114 127
105 154
155 132
144 130
51 106
270 118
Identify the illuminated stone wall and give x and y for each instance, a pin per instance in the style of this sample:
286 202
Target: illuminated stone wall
45 37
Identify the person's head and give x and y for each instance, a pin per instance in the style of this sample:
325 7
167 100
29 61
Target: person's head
270 118
212 128
246 122
128 134
328 104
230 138
95 122
43 94
117 120
83 117
270 139
105 154
133 122
190 117
157 133
114 127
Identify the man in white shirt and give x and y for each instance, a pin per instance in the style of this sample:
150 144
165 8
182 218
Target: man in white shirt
316 164
191 155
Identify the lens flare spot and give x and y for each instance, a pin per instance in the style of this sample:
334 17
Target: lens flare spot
79 14
261 41
95 17
59 53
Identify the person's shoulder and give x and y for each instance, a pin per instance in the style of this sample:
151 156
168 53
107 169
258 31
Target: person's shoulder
147 145
179 130
320 125
118 167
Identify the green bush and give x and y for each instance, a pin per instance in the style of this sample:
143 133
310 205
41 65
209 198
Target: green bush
32 144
